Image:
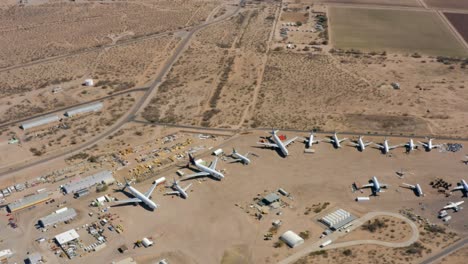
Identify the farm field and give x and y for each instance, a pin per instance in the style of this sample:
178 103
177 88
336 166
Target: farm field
460 22
373 2
392 30
454 4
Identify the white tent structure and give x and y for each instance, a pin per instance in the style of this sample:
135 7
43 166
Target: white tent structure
84 109
66 237
39 122
291 239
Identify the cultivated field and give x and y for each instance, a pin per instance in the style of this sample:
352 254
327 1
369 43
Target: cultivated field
373 2
454 4
460 22
392 30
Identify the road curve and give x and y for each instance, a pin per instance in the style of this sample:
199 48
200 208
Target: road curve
357 223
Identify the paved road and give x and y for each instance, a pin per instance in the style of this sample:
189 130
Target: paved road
130 115
356 224
446 251
62 109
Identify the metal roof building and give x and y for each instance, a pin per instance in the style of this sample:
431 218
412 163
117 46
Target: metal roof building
34 258
337 219
39 122
291 239
103 176
58 217
84 109
66 237
28 201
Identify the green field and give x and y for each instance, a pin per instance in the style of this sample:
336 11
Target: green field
393 31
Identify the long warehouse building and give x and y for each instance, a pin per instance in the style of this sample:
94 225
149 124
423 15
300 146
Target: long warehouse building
100 177
39 122
57 217
84 109
28 201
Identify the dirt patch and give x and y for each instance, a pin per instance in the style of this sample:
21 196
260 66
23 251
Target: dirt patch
295 17
237 255
386 124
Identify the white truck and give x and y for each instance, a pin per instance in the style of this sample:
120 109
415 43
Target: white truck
326 243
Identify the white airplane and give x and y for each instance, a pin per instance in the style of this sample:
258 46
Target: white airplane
182 192
463 187
375 186
204 171
140 197
335 140
360 144
310 141
416 188
428 146
455 206
278 143
240 158
410 145
385 148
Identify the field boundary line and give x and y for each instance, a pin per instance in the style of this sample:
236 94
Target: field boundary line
452 28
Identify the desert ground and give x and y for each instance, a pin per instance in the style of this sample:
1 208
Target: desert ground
457 257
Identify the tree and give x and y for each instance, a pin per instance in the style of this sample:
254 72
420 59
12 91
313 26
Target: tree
299 23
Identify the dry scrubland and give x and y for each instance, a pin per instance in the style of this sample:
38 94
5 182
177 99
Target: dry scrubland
460 22
40 31
392 30
213 82
458 257
372 2
455 4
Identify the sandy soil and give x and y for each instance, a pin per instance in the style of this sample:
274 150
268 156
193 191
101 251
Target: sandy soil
458 257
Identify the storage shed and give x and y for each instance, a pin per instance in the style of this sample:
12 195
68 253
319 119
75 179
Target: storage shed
84 109
291 239
39 122
100 177
34 258
55 218
65 237
146 242
28 201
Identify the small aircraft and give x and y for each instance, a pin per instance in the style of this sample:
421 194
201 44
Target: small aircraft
278 143
360 144
310 141
410 145
463 187
375 186
240 158
140 197
182 192
385 147
455 206
429 146
204 171
335 140
416 189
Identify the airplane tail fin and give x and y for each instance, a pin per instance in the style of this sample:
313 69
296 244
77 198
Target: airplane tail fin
191 159
273 131
234 151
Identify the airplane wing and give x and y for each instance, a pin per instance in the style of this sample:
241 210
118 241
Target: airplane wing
393 147
287 142
353 144
367 185
271 145
423 144
409 185
457 188
235 160
196 175
247 154
187 187
132 200
213 164
368 143
172 193
150 191
450 205
379 145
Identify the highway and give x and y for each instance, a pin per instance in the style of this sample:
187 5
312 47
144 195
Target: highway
356 224
446 251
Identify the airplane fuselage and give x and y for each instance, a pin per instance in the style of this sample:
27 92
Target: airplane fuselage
419 191
181 191
336 141
465 186
361 144
216 174
243 159
386 148
280 144
376 184
311 141
143 198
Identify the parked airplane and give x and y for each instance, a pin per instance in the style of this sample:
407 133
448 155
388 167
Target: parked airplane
455 206
310 141
385 148
416 188
410 146
335 140
204 171
182 192
375 186
463 187
139 197
360 144
278 143
428 146
240 158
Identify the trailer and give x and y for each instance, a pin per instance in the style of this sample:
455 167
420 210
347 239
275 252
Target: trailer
362 198
326 243
447 218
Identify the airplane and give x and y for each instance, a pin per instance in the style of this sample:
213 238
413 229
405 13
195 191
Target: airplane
140 197
463 187
455 206
429 146
310 141
182 192
375 186
240 158
335 140
410 146
278 143
385 148
360 144
204 171
416 188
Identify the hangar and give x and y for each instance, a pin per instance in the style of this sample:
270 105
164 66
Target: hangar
291 239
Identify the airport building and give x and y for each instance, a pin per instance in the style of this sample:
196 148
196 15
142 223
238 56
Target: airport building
337 219
28 201
57 217
100 177
84 109
39 122
34 258
291 239
67 237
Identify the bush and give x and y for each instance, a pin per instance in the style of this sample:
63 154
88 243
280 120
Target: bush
374 226
347 252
